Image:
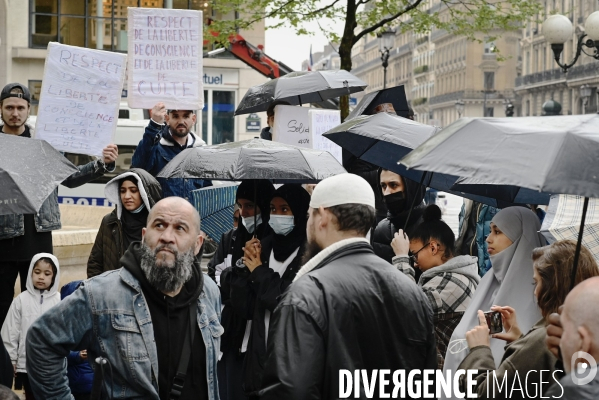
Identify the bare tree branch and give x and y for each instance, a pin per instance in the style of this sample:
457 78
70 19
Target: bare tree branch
382 22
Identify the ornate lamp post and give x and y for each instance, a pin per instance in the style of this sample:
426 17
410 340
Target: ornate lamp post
459 107
558 29
386 41
508 107
585 94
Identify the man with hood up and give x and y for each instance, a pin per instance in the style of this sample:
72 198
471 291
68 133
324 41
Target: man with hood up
399 194
134 193
152 326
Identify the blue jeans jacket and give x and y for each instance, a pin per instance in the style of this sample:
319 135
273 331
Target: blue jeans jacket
48 218
154 151
109 316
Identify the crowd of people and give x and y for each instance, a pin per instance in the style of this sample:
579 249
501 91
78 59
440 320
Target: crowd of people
348 274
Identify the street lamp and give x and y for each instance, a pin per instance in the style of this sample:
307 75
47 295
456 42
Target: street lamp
585 94
558 29
508 107
386 41
459 107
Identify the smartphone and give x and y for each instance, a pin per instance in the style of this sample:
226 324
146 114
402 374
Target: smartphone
494 321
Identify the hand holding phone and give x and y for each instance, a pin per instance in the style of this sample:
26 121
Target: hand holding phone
494 322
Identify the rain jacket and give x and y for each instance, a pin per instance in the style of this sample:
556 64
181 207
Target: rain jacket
24 310
79 372
449 289
346 309
110 317
156 149
109 245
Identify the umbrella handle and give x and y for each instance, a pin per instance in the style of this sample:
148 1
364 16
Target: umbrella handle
414 202
579 243
255 205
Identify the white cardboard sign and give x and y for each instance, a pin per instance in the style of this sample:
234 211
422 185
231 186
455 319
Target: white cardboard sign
322 121
79 99
292 126
165 58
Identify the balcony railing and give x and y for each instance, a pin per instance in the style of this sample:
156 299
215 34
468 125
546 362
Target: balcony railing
420 69
557 74
419 101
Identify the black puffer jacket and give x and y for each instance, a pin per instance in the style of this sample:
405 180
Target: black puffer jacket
386 229
109 246
352 311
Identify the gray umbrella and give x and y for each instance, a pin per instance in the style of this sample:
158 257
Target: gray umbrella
300 88
30 170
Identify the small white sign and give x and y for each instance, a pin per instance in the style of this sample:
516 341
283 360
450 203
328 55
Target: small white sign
165 58
80 96
322 121
292 126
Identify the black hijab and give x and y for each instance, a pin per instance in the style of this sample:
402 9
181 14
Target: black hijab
298 200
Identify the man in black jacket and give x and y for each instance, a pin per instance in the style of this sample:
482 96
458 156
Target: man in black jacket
266 133
347 309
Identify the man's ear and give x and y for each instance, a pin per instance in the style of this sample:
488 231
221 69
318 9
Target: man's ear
167 117
325 217
143 232
198 244
586 339
193 118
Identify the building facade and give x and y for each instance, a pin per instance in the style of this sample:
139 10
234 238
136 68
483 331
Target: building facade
27 26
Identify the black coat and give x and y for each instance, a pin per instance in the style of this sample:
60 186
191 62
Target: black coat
352 311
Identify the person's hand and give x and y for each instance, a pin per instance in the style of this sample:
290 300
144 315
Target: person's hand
83 354
400 243
252 252
110 153
479 336
158 113
510 324
554 332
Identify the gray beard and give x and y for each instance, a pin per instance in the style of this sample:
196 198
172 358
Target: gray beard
163 275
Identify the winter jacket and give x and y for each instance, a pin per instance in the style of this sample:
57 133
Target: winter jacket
156 149
24 310
521 366
109 316
79 372
346 309
449 289
265 133
475 225
109 246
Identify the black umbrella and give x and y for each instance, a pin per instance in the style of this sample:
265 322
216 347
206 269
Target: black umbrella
30 170
299 88
395 95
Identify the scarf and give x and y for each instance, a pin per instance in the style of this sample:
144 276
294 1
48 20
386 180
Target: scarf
132 223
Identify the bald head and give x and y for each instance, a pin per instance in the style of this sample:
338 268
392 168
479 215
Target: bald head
176 206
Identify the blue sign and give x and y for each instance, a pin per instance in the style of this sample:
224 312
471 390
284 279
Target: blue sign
85 201
253 123
353 102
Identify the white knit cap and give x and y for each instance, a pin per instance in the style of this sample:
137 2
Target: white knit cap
342 189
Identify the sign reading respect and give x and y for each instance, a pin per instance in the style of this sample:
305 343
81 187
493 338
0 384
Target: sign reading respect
165 58
79 99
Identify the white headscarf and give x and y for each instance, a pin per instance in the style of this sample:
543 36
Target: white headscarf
507 283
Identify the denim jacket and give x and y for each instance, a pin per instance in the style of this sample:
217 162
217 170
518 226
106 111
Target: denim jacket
154 151
48 217
109 316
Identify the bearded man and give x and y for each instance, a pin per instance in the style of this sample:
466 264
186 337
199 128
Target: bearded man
155 322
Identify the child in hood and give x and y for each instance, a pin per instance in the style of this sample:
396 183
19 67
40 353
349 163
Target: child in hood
40 296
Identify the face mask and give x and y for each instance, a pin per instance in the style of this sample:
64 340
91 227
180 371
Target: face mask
281 224
249 222
396 202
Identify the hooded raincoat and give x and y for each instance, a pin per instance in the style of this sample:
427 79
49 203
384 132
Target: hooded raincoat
24 310
110 244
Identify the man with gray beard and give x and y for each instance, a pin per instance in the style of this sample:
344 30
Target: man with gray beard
155 323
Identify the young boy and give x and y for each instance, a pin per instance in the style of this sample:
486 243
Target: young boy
41 295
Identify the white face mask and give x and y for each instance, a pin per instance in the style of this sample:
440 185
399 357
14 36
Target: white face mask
281 224
248 222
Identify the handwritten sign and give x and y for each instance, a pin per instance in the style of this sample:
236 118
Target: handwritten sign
322 121
292 126
80 96
165 58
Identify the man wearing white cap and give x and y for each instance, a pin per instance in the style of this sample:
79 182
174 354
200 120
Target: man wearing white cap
347 309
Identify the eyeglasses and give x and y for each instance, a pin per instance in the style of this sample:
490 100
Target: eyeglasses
414 256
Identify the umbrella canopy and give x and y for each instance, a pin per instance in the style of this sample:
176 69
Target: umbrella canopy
562 221
394 95
555 154
300 88
30 170
216 206
506 193
253 159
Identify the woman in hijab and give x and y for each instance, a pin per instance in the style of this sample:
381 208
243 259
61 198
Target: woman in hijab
269 267
514 236
134 193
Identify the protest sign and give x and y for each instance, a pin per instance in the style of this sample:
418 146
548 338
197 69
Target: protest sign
165 58
80 96
292 126
322 121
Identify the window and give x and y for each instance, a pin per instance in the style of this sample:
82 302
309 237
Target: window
489 46
489 80
96 24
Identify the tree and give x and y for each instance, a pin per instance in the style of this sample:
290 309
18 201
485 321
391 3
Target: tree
468 18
